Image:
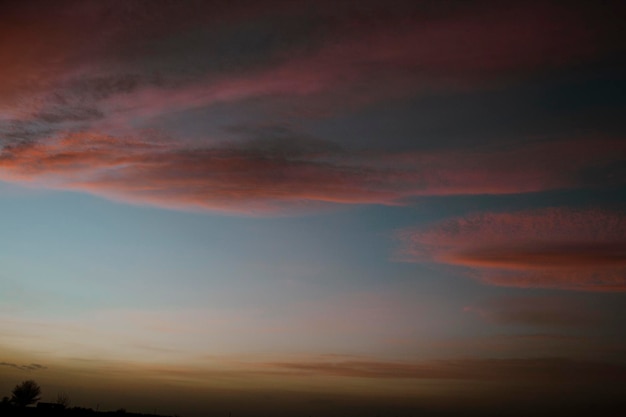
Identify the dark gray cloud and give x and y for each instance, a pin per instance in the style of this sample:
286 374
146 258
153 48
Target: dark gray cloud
30 367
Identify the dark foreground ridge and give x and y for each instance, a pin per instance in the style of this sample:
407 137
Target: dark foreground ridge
25 402
615 410
46 410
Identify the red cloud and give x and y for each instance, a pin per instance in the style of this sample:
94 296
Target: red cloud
548 248
258 180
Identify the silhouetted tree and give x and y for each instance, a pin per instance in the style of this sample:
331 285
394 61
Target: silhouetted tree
26 393
63 400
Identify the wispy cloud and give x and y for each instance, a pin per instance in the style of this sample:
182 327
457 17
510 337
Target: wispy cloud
275 175
149 60
546 248
307 43
30 367
513 369
83 109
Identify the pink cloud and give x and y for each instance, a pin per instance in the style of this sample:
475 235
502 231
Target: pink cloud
79 124
548 248
98 88
363 60
520 168
352 59
169 175
252 179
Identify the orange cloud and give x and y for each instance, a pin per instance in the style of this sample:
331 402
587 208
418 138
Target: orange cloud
547 248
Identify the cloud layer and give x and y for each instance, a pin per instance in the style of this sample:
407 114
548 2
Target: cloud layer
91 110
271 175
293 47
546 248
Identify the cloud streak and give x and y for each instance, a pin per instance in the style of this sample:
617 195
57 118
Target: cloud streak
30 367
511 370
274 175
547 248
514 369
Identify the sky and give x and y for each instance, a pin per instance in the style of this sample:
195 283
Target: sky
324 208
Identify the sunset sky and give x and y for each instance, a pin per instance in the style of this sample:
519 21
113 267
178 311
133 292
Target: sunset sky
321 208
